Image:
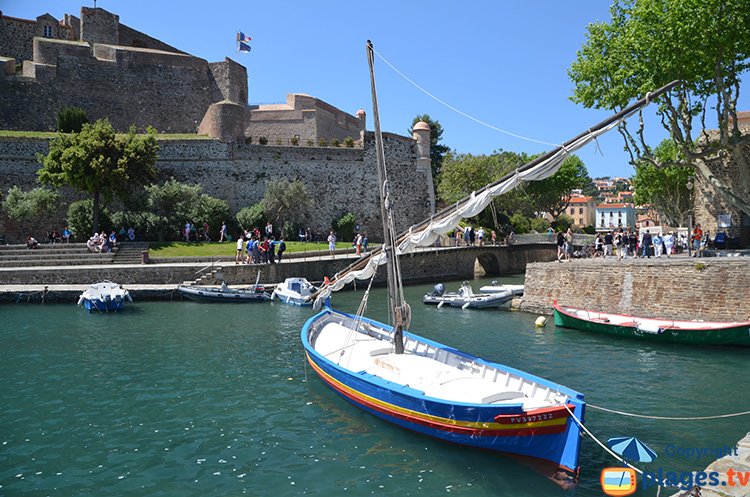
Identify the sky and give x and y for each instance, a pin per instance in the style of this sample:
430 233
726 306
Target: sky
498 61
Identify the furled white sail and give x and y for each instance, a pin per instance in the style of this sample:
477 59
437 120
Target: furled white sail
425 234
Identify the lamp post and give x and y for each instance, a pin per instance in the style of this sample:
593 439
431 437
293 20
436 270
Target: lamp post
689 236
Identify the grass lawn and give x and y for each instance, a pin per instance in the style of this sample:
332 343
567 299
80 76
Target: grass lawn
214 249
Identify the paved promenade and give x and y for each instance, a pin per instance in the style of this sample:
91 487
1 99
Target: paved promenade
736 485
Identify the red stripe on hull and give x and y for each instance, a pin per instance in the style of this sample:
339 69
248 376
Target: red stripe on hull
449 428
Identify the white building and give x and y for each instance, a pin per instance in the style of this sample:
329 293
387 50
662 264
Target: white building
613 216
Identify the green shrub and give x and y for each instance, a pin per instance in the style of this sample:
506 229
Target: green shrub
344 227
520 223
279 142
335 142
80 219
71 120
295 140
310 142
322 142
263 140
539 225
349 142
251 216
249 140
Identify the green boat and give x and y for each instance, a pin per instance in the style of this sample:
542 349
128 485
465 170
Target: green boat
655 330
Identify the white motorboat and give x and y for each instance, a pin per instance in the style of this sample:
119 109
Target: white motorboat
296 291
496 287
104 296
465 298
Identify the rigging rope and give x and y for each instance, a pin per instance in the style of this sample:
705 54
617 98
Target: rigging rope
668 418
479 121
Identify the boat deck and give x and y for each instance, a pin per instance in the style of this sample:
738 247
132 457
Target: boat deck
435 378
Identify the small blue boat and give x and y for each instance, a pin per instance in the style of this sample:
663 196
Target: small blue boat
104 297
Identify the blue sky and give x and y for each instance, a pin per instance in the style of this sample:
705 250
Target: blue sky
501 62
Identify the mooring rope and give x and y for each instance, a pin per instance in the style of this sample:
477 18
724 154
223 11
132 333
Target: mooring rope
668 418
610 451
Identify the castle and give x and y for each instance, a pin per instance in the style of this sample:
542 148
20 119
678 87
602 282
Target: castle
111 70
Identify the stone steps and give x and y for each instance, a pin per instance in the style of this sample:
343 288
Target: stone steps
73 254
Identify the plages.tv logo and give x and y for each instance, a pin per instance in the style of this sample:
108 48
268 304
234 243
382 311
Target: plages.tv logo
618 481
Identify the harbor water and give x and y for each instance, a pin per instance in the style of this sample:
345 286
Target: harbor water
190 399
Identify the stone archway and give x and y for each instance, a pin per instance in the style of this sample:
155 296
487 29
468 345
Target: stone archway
486 264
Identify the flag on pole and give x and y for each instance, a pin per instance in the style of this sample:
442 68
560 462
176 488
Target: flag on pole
242 37
243 47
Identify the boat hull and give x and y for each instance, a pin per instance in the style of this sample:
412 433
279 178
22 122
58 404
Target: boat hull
484 301
737 334
292 298
96 305
548 434
219 295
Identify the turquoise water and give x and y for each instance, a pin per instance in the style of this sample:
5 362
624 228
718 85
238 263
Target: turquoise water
189 399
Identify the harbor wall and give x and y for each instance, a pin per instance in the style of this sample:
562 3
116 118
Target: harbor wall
427 266
706 288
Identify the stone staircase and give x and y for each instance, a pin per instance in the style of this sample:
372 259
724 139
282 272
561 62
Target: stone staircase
130 253
208 277
67 254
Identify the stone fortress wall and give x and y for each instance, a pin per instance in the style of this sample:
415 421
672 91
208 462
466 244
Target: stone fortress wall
338 180
111 70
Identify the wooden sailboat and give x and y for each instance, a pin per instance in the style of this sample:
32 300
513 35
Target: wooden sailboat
428 387
653 329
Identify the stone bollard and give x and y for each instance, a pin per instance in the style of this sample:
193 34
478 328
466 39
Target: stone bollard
144 257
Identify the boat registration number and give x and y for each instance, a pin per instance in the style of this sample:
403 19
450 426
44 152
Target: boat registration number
532 418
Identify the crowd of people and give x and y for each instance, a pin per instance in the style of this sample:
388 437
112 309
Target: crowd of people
630 244
470 237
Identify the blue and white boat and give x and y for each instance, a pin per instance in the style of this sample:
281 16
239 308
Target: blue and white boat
104 297
428 387
296 291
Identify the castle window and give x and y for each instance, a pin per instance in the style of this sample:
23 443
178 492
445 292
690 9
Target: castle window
48 31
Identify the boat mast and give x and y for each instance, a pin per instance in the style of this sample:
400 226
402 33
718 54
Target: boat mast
399 308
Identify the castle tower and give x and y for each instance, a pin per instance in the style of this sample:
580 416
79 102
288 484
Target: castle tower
421 133
362 116
99 26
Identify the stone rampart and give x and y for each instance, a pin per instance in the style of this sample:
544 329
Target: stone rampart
709 288
140 86
338 180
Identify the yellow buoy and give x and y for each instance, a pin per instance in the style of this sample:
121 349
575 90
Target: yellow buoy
541 321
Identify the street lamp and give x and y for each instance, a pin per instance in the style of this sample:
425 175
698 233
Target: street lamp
689 236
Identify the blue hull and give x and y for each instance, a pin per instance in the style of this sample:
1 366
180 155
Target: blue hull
548 433
103 306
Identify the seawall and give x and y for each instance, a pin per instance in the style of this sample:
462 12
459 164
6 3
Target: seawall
708 288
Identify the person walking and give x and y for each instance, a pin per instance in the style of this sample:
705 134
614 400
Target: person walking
647 244
696 240
658 245
223 232
668 243
332 244
240 246
282 248
568 244
358 244
608 239
560 246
